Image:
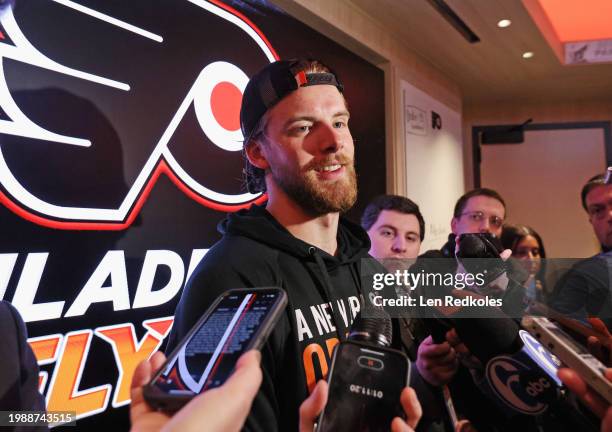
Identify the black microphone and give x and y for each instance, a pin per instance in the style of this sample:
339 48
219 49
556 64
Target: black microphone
519 373
480 253
375 329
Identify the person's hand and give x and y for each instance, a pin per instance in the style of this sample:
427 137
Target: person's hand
600 347
221 409
465 426
314 404
437 363
142 416
412 409
463 353
588 396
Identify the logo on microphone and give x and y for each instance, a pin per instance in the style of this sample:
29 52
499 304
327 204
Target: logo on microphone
354 388
518 386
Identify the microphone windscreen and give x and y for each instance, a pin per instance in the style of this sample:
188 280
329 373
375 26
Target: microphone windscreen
471 247
375 327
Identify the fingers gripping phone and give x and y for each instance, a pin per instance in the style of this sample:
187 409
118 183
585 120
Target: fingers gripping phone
570 352
237 321
365 384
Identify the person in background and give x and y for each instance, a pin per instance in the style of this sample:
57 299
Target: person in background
396 229
19 373
528 252
395 226
585 289
480 210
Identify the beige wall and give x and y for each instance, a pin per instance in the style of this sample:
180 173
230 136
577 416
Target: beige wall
351 27
556 232
517 112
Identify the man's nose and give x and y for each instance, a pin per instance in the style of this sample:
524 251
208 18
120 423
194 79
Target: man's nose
399 245
485 225
332 139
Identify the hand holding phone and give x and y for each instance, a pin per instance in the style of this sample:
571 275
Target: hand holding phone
365 386
238 321
571 353
224 410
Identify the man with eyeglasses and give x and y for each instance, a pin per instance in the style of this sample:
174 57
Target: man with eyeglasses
585 289
480 210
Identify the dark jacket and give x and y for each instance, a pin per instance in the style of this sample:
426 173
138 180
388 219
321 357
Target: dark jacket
19 371
324 297
585 290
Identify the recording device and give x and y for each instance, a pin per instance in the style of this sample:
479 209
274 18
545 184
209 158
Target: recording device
571 353
238 320
366 379
574 328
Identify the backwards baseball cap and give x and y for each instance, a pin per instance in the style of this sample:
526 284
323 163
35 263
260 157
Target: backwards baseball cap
264 90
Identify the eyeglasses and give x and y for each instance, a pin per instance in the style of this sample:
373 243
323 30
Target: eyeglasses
478 217
598 211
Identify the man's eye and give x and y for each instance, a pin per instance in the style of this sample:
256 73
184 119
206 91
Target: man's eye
412 238
386 233
340 124
300 129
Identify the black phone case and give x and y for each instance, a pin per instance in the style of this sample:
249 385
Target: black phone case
363 399
172 403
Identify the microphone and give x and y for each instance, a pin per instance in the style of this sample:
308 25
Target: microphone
374 330
479 253
519 373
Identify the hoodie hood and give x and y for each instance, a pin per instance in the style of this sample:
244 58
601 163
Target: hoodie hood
258 224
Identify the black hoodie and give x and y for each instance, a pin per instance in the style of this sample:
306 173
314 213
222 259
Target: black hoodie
324 297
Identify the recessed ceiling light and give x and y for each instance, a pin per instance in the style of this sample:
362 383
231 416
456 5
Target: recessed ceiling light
527 55
504 23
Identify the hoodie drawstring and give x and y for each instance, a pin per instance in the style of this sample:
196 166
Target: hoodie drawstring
327 288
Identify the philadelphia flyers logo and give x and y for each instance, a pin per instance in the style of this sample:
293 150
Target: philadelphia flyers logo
99 99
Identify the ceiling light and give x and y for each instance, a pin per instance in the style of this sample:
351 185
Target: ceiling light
504 23
527 55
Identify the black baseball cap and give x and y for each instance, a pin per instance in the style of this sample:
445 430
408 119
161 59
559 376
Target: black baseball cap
264 90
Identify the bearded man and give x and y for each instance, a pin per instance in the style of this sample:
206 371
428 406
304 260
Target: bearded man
299 150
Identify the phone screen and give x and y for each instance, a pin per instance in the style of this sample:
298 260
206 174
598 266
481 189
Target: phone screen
207 357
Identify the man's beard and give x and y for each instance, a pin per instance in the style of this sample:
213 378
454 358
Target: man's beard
319 197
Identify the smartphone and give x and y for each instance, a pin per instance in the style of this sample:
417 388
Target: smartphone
365 384
571 353
238 320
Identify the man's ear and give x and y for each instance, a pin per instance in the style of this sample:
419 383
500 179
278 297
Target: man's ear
255 155
454 225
